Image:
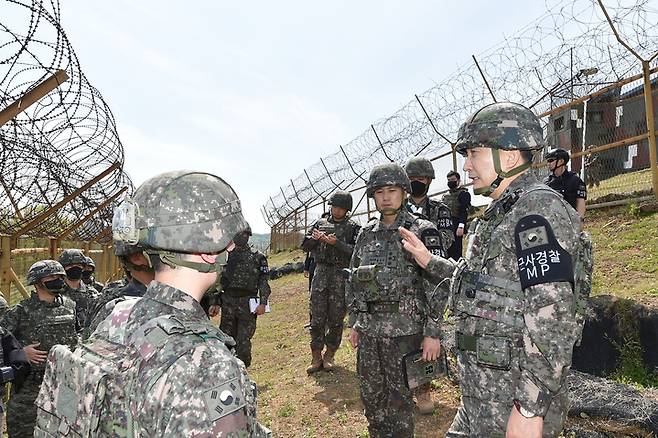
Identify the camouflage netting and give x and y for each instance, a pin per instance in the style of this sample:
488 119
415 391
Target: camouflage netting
568 52
61 142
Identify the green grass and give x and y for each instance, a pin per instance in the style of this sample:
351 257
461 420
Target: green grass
625 252
624 183
280 258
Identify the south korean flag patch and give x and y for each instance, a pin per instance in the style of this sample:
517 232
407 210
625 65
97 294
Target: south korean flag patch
223 399
432 241
539 256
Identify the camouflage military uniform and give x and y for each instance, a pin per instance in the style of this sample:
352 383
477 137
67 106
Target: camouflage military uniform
392 310
327 306
244 277
35 321
105 303
439 214
4 306
458 201
11 354
84 298
183 404
515 296
525 336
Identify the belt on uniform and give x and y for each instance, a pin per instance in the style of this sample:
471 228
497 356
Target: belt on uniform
466 342
384 307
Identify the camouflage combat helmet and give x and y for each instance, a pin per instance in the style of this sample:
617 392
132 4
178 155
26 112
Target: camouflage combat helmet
124 249
342 199
90 262
70 257
42 269
502 125
390 174
187 212
419 167
558 154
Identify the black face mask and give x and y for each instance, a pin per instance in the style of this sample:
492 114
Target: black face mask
87 277
54 286
74 273
418 189
453 184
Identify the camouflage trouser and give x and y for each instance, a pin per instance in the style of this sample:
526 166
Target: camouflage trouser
21 412
327 307
386 398
239 323
478 418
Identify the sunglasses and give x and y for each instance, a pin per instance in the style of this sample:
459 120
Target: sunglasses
550 160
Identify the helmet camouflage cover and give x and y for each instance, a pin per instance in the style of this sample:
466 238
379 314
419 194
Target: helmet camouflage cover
502 125
389 174
188 212
342 199
419 167
90 262
44 268
72 257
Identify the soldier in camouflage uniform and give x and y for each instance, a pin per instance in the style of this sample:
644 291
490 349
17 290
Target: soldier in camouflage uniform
516 297
74 261
458 201
139 275
12 355
330 242
39 322
244 278
392 312
421 173
88 275
185 221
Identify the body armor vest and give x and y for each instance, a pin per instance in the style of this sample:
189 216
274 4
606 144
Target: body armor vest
329 254
242 270
451 199
386 271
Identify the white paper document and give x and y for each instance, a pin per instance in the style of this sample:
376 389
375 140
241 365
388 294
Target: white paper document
254 302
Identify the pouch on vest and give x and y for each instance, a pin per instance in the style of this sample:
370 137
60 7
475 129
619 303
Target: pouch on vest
366 273
493 352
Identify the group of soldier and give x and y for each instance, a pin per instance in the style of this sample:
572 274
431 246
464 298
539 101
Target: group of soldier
141 357
514 301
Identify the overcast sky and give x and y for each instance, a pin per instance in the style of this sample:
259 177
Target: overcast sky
256 91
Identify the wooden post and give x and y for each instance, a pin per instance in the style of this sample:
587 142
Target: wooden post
108 262
100 266
5 266
52 249
651 126
33 96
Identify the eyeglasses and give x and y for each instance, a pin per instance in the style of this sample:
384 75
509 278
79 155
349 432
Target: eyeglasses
550 160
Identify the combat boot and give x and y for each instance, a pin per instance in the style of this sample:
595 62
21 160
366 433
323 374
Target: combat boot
316 362
424 401
328 359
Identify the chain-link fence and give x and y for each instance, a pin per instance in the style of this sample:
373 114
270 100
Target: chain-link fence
581 67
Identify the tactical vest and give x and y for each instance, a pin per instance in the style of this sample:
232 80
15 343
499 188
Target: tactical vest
93 391
242 270
451 199
499 299
48 324
386 272
329 254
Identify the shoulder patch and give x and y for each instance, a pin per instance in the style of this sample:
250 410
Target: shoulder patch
539 256
431 238
223 399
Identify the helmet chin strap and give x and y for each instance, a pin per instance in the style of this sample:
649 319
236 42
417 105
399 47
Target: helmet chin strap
501 175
